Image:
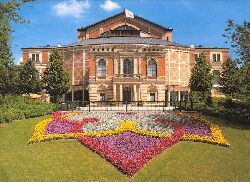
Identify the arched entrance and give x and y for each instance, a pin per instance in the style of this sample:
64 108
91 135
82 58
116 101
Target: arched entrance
127 94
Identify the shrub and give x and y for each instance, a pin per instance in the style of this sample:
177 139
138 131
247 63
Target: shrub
17 107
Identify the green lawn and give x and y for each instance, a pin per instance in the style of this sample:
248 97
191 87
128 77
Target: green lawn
68 160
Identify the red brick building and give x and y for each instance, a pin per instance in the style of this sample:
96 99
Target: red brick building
128 58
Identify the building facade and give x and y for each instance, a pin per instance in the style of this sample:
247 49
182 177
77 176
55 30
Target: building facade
128 58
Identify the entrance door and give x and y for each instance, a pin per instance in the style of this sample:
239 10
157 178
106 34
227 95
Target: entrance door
127 95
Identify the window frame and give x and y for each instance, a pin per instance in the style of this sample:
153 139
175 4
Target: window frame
154 96
36 55
102 97
100 68
198 56
129 71
218 57
152 72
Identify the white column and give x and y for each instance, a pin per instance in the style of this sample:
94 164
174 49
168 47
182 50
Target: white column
135 66
116 66
121 66
120 92
179 95
114 91
135 93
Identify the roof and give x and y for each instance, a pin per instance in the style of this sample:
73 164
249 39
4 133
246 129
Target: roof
126 40
40 47
198 47
123 12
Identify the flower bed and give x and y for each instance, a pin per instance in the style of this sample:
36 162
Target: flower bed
127 140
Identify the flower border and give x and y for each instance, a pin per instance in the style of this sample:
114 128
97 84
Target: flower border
215 138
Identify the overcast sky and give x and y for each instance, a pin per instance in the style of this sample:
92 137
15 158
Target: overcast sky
198 22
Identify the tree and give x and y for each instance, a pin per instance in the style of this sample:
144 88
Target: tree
55 79
229 78
201 77
244 77
29 78
239 37
8 74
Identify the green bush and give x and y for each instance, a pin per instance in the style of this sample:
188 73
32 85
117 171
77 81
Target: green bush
235 111
18 107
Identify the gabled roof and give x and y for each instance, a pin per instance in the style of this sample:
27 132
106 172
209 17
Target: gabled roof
121 13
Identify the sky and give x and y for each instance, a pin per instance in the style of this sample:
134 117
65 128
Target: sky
195 22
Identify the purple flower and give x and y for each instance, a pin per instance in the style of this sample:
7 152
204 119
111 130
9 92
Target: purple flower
128 143
197 128
58 127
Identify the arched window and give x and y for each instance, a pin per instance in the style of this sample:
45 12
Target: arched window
152 68
101 68
127 67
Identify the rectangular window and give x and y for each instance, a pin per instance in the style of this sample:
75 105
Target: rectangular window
183 95
151 96
196 56
35 57
102 96
216 58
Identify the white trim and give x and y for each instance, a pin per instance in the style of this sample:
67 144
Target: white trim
211 57
97 61
156 60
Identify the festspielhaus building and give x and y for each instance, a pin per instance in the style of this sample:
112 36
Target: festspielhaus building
128 58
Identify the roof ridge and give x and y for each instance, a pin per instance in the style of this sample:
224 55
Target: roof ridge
124 12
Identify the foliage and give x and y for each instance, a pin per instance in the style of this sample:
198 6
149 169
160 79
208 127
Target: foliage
229 78
55 79
29 78
244 76
234 111
201 78
17 107
8 74
239 37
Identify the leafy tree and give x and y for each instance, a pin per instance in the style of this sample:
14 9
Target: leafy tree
201 77
229 78
55 79
8 78
29 78
8 14
244 76
239 37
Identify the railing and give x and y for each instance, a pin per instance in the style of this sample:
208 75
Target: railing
127 76
124 106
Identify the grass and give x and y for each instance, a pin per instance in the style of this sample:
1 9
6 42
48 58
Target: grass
68 160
